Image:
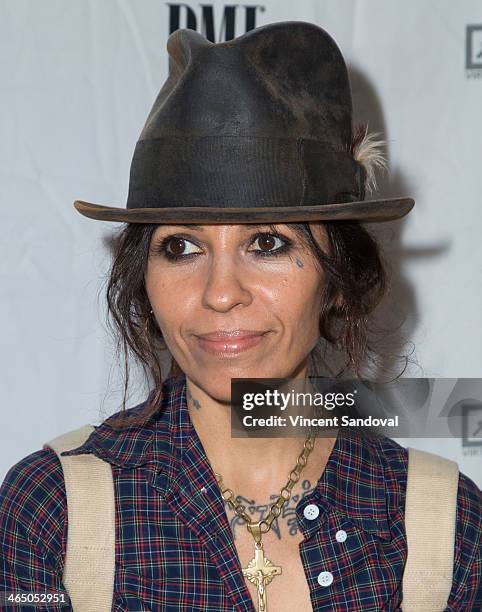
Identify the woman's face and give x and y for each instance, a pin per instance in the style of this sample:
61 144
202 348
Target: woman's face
235 300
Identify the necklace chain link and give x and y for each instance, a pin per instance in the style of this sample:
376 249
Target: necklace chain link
258 528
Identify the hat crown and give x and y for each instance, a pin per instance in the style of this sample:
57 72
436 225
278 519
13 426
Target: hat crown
285 80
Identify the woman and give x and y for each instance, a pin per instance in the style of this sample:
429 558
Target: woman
242 250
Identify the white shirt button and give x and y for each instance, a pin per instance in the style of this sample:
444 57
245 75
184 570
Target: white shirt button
325 578
311 512
340 535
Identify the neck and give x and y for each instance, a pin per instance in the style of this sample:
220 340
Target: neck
255 467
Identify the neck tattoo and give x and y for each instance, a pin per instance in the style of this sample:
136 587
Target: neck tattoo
194 401
285 525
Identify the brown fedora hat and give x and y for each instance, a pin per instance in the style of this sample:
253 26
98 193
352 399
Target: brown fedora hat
256 129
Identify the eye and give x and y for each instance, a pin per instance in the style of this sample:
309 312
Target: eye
177 247
270 244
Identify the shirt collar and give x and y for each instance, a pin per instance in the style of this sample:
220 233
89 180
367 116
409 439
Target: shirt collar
353 482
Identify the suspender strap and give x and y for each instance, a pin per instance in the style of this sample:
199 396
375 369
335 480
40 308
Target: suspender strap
430 515
90 555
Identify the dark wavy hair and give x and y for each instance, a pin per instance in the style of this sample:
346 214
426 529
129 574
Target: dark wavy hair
355 282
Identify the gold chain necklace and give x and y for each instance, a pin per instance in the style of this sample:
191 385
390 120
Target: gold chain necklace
260 571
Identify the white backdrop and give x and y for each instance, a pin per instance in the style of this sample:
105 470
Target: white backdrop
77 81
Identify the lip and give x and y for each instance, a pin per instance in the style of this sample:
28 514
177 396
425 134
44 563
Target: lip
229 343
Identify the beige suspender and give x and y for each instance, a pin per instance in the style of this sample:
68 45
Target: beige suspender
90 556
430 514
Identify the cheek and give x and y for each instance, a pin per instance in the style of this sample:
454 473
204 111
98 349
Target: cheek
171 302
297 298
301 292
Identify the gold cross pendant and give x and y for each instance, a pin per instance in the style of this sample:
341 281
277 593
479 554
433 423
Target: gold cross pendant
260 572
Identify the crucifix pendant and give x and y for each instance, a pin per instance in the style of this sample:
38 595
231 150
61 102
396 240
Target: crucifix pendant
260 572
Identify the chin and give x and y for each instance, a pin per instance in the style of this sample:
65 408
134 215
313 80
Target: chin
218 383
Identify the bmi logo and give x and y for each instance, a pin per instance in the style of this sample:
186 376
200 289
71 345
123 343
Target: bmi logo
473 51
215 27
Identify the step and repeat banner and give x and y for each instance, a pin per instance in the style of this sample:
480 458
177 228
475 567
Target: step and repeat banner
77 81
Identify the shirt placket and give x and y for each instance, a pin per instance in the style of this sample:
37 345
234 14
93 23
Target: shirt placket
194 498
330 536
204 514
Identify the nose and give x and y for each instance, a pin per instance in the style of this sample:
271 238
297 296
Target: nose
224 287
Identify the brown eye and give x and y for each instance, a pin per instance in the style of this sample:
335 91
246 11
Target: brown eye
177 246
269 244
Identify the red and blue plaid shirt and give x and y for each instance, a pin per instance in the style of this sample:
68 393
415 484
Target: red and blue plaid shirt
174 545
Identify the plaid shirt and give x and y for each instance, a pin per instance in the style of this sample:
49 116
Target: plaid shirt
174 545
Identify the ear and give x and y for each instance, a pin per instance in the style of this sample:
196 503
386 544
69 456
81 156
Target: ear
339 302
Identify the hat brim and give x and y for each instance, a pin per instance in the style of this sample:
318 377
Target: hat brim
366 211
